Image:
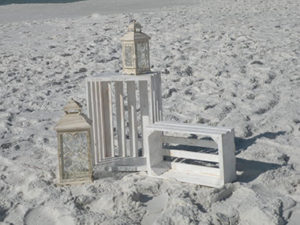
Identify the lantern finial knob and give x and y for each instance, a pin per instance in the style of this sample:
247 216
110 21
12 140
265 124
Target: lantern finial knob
134 26
73 107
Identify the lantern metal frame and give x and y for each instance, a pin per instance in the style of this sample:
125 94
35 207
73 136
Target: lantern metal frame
130 42
73 122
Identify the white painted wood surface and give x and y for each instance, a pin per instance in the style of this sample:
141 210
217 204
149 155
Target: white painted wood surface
132 118
179 153
144 104
97 116
120 117
189 141
105 120
112 103
209 168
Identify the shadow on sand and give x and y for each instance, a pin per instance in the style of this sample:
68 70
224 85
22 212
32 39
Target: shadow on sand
252 169
242 144
7 2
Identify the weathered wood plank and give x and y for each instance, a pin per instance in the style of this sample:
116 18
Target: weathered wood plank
132 118
206 180
102 121
106 118
189 141
198 126
144 104
194 169
89 96
89 99
153 152
111 77
191 155
151 101
158 100
170 127
227 157
97 122
120 114
111 125
154 99
95 129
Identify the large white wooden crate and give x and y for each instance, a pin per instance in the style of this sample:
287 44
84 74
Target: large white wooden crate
116 105
208 158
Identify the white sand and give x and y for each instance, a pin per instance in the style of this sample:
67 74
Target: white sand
232 63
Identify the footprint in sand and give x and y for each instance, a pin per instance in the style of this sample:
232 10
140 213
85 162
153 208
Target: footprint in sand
155 208
48 216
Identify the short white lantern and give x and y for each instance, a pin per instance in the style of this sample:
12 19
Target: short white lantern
74 146
135 50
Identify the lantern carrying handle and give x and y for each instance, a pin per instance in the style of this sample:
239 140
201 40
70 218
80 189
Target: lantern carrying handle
135 26
73 107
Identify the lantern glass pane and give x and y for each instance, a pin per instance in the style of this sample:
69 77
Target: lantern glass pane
142 55
128 54
75 155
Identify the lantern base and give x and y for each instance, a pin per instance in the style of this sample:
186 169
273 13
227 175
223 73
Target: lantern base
74 181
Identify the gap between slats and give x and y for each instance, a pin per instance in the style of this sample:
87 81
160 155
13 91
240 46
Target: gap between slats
191 155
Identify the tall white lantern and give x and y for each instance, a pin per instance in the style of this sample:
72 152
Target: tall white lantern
135 50
74 146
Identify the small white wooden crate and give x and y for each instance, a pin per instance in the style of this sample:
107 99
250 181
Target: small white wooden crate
116 105
213 165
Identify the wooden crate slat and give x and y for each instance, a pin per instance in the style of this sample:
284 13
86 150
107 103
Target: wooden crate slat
99 122
155 99
132 118
90 108
188 129
194 169
191 155
158 98
97 117
106 118
189 141
195 126
111 77
144 104
111 126
120 115
227 157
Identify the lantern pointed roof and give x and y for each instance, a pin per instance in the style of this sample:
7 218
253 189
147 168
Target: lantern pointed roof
134 26
135 32
73 120
73 106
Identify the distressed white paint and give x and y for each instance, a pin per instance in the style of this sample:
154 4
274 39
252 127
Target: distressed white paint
189 141
105 103
191 155
112 101
120 115
132 117
144 103
204 174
